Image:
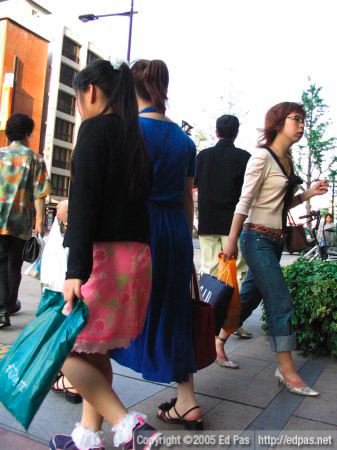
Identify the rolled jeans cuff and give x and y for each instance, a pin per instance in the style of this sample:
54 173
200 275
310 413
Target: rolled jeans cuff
283 343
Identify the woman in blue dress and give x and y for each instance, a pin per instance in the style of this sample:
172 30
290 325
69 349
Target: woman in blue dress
164 350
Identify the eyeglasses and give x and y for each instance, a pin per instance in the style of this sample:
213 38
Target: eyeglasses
299 119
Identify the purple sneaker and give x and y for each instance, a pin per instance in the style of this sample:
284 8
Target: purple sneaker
144 437
65 442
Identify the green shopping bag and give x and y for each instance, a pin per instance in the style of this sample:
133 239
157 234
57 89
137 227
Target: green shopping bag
29 368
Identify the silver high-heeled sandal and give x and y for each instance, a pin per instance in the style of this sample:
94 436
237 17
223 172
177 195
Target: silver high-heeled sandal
228 364
293 387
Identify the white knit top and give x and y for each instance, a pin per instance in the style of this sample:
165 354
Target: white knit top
263 191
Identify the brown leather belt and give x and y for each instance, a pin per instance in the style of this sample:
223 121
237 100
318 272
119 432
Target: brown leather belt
272 232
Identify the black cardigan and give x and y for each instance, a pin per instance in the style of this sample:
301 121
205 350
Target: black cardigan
99 207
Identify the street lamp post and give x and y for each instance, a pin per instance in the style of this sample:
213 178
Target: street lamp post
90 17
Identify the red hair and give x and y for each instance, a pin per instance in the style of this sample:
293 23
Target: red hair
274 121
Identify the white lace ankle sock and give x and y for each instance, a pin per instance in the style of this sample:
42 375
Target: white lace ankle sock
86 439
123 429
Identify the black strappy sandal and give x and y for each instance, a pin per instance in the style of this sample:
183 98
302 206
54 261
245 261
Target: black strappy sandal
164 416
72 397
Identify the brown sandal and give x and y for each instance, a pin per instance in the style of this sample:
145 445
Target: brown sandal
164 416
59 388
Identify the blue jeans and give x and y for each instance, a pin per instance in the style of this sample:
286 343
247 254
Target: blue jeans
265 281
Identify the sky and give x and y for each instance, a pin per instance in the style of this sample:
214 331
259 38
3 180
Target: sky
253 53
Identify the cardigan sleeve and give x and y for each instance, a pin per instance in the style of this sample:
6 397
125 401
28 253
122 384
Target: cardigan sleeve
85 198
256 172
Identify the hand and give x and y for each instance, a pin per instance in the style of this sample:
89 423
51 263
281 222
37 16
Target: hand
72 289
62 211
39 228
231 250
319 188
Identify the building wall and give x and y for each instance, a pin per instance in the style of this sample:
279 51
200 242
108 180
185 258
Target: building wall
60 170
31 53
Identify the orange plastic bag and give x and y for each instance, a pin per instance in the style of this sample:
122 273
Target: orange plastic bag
227 274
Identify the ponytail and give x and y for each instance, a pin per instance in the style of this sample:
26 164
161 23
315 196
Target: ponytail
151 81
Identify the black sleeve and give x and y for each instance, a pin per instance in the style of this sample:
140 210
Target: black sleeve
197 170
85 197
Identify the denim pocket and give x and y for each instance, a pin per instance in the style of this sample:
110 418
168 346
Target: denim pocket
267 251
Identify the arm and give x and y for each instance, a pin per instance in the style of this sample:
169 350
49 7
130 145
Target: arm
41 189
85 195
256 172
231 249
318 188
39 204
188 202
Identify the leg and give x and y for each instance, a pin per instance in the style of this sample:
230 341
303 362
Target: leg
262 253
92 375
90 417
4 287
250 297
210 246
83 374
186 399
14 269
182 409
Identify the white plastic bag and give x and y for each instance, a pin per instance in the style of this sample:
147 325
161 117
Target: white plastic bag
34 270
54 260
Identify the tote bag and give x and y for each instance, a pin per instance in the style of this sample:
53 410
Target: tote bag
31 365
218 294
203 328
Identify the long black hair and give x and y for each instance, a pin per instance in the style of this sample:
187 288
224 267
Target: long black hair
118 86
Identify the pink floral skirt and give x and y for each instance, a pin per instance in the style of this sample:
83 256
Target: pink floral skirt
117 295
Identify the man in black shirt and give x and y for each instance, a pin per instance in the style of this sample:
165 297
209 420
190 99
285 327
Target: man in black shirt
219 179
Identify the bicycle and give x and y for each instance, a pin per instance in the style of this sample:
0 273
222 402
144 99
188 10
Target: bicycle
317 252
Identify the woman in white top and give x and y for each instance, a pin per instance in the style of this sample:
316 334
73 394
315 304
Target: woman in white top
267 195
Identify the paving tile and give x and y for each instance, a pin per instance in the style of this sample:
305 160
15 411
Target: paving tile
252 384
260 349
302 428
231 416
126 372
59 416
150 406
297 423
13 441
324 407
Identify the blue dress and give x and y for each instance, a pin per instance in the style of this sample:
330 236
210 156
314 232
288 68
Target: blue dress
163 352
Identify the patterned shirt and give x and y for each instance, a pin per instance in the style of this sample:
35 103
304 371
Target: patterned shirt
23 179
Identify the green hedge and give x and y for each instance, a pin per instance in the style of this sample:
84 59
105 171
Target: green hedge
313 287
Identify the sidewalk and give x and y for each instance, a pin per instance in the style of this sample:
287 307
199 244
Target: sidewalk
245 401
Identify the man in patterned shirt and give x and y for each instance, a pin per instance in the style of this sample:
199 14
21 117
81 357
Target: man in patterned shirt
23 187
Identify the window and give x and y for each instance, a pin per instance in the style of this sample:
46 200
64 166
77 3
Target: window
61 157
67 75
91 57
64 130
70 49
60 185
66 103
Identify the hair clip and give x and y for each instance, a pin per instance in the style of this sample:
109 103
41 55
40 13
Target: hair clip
116 63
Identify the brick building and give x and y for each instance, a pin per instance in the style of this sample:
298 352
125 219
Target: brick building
23 65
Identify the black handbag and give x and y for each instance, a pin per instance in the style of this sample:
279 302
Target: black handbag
217 293
31 250
203 327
